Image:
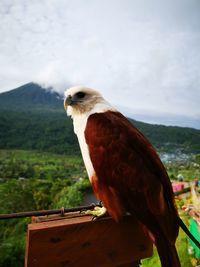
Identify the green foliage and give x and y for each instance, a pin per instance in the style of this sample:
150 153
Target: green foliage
15 196
182 245
171 138
153 261
52 131
197 159
190 170
179 203
33 118
29 164
32 130
32 194
73 195
54 181
12 242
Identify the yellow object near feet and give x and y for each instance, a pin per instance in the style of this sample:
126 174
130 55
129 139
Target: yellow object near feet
97 212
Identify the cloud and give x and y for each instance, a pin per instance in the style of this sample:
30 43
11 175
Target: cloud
143 55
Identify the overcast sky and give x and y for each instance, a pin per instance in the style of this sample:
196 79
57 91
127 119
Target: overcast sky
143 55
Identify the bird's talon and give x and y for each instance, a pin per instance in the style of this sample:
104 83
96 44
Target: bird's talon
83 210
97 212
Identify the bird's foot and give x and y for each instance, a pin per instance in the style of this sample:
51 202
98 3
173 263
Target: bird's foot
97 212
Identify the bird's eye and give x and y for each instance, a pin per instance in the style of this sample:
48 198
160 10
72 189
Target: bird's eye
80 94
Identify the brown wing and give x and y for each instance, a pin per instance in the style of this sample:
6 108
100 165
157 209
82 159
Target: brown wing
129 173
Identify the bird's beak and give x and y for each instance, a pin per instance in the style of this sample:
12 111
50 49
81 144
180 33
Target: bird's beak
68 101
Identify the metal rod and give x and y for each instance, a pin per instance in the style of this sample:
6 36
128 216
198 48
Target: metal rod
46 212
62 210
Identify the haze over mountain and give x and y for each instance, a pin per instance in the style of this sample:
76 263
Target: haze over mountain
32 117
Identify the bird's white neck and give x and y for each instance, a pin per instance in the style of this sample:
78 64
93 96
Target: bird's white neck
80 122
99 107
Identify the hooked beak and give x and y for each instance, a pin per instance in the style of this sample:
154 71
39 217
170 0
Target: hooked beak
68 101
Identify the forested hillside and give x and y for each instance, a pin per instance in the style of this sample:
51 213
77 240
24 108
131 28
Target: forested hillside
52 132
33 118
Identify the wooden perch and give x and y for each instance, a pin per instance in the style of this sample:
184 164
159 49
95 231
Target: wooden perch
77 241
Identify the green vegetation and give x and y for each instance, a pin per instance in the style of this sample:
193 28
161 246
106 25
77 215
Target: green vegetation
51 132
32 164
31 180
189 170
35 181
171 138
32 118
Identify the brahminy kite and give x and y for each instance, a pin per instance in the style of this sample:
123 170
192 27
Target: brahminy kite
124 169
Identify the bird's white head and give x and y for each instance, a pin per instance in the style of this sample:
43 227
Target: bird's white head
80 100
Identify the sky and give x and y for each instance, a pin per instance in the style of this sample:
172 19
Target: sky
142 55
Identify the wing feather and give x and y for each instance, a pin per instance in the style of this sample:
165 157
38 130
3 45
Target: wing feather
125 161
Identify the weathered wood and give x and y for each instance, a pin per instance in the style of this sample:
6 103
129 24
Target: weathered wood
77 241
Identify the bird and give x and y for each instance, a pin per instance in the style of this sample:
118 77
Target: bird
124 169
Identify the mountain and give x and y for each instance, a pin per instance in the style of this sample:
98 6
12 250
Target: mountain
32 117
31 96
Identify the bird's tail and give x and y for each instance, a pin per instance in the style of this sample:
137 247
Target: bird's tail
167 253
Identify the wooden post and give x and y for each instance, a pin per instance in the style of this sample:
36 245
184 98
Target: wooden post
77 241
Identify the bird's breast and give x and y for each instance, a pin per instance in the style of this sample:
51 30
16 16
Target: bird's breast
80 123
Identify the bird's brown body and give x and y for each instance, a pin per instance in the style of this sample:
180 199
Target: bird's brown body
129 177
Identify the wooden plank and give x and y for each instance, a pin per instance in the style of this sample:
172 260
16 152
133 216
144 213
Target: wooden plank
77 241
